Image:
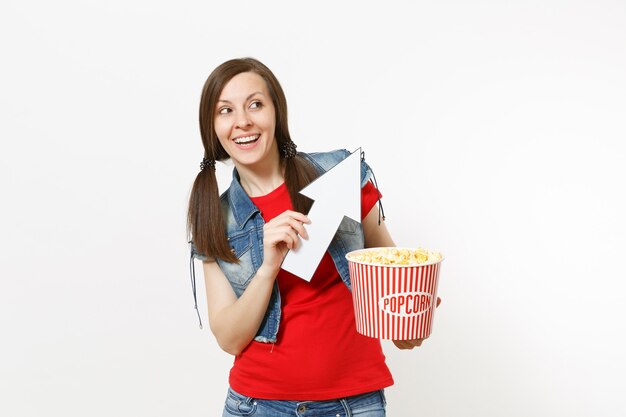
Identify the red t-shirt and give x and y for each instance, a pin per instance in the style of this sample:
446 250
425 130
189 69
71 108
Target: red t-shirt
318 354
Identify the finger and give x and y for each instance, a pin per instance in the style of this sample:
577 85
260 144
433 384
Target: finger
403 344
302 218
299 228
294 222
414 343
289 236
297 221
283 234
398 344
418 342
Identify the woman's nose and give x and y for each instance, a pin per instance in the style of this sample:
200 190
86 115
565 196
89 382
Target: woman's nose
243 120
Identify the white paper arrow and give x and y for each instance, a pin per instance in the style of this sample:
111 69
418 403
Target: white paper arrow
335 194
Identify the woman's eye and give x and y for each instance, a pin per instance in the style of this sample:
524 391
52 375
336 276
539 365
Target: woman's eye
256 105
223 110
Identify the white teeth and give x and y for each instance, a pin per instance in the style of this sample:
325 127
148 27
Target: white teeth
246 139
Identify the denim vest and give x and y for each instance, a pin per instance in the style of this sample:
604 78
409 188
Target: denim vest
244 230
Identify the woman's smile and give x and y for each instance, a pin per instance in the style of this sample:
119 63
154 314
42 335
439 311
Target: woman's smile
247 142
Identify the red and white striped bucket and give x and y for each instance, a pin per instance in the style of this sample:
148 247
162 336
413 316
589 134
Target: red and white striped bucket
395 302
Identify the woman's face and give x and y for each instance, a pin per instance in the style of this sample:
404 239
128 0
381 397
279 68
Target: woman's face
245 119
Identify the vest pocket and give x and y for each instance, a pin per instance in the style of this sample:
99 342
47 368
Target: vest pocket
239 274
349 237
348 225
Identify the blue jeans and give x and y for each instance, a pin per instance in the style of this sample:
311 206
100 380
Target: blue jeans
371 404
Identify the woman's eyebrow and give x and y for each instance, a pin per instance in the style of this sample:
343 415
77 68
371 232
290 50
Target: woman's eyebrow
247 98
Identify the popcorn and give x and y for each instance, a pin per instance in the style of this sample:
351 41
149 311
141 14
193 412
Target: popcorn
395 256
394 291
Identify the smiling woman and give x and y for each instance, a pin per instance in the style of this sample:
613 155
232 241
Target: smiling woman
295 342
223 107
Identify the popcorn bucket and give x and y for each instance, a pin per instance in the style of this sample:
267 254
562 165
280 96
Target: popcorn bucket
392 301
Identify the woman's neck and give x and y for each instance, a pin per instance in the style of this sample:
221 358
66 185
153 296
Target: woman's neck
261 179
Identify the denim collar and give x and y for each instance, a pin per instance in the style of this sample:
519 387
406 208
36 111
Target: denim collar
241 205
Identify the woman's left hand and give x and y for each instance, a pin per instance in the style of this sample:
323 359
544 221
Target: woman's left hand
410 344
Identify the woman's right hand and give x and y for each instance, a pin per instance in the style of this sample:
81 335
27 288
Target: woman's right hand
281 234
235 320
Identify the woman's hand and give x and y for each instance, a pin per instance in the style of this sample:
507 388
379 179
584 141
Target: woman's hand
281 234
410 344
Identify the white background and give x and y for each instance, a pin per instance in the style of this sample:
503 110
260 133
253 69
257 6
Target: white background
495 129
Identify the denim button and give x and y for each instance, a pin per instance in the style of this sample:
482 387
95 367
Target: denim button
302 409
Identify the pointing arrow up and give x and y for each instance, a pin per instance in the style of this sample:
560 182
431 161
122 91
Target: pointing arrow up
336 194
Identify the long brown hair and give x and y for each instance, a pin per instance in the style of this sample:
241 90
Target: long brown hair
205 222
